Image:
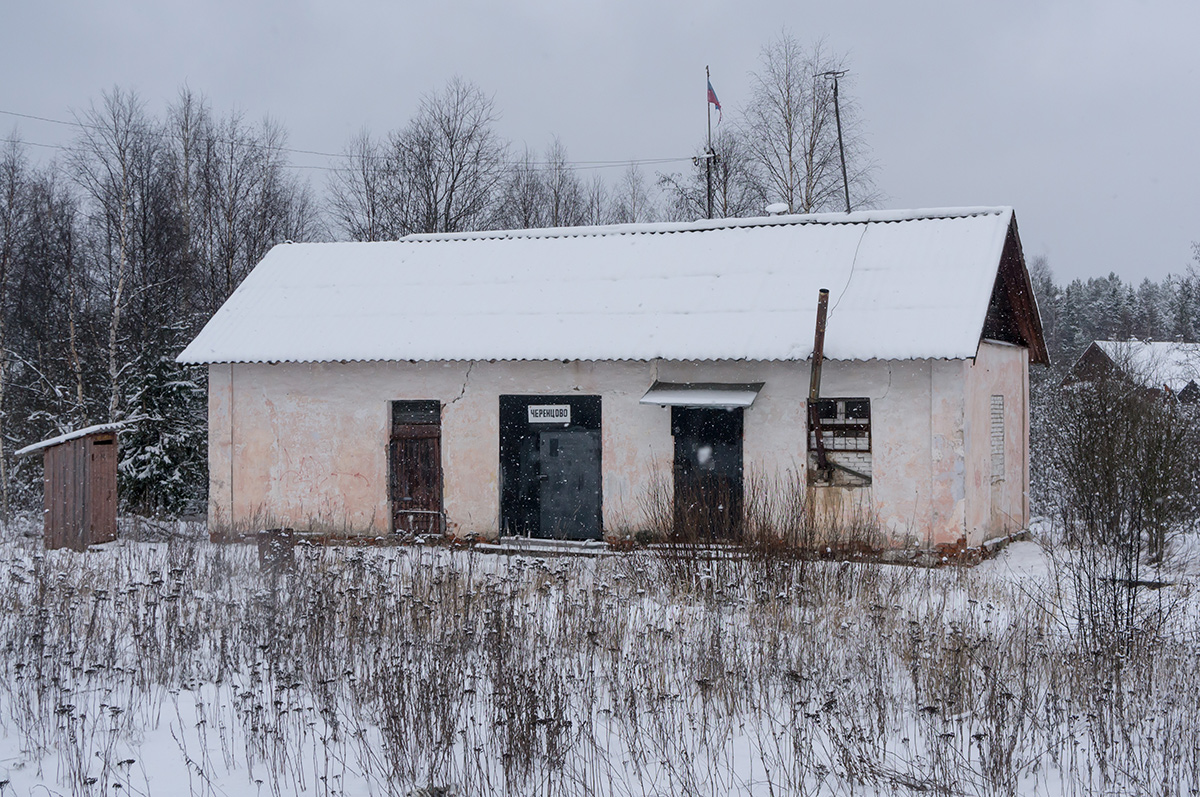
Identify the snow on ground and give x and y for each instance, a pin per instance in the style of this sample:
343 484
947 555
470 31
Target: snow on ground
1020 560
179 666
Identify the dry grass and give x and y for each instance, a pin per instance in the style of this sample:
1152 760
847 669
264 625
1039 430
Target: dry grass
421 668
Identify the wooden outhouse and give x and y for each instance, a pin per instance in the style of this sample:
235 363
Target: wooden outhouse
80 480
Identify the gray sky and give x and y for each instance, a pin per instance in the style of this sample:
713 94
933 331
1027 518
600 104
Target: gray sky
1082 115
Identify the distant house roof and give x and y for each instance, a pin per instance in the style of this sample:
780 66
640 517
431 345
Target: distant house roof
903 285
1154 364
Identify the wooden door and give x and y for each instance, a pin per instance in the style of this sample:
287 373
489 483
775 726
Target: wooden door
415 459
101 510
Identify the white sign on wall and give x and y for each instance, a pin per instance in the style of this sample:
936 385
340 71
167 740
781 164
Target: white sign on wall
549 413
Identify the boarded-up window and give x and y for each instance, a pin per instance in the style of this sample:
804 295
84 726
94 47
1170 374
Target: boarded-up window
845 436
997 438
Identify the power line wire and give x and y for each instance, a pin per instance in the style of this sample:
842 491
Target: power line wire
571 165
33 143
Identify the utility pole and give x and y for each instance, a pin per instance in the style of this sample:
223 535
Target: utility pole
837 114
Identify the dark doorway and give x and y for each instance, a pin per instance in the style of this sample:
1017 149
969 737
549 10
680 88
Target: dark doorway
708 472
550 475
415 464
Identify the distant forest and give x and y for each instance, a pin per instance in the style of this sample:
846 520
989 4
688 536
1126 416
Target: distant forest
115 254
1108 308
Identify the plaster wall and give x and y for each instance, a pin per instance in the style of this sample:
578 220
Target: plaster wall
997 507
305 445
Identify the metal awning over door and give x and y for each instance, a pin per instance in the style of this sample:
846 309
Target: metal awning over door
702 394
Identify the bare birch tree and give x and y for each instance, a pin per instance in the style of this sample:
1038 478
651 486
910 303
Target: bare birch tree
632 202
114 143
51 334
524 200
565 193
596 207
235 196
14 212
359 192
541 194
791 133
447 164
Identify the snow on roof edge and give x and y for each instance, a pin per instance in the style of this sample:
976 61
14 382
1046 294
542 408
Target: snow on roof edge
66 437
296 361
704 225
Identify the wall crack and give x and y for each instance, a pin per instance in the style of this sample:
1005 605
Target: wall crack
466 379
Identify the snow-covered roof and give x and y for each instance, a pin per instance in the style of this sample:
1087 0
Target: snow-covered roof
1155 363
99 428
903 285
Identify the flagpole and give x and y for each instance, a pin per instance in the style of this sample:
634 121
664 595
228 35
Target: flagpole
708 152
708 104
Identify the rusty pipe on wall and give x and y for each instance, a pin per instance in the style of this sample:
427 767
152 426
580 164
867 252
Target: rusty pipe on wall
818 355
814 381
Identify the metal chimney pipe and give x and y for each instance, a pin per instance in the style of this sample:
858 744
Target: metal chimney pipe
814 382
818 355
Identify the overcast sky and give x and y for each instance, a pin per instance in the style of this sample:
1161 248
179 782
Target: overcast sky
1082 115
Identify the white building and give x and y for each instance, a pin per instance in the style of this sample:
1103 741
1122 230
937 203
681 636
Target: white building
561 382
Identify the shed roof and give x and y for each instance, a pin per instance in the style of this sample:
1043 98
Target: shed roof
66 437
903 285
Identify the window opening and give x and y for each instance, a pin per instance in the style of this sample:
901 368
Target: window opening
844 426
416 413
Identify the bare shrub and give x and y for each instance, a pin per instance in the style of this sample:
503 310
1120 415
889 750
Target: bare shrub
1125 471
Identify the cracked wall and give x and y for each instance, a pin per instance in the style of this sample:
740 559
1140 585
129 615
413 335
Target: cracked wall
305 445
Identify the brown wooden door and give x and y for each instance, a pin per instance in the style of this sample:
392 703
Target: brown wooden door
102 490
416 478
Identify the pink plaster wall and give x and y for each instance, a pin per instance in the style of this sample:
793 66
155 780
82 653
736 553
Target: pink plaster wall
997 509
308 442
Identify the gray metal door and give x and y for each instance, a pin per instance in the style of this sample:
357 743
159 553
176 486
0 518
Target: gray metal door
708 472
570 483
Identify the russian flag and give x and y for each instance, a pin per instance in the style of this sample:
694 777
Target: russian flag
712 96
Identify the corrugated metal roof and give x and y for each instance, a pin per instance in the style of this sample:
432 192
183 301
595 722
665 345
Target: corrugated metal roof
903 285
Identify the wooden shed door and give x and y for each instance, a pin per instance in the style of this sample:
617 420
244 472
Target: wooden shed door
415 456
102 489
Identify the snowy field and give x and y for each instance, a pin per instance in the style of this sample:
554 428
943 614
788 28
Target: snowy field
179 666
